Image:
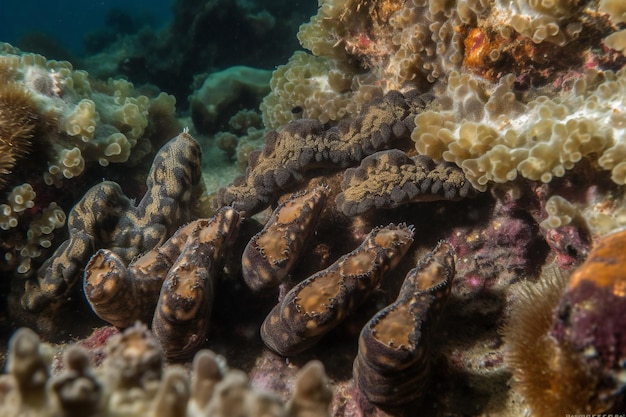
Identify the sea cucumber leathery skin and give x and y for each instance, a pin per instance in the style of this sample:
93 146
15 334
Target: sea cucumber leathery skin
122 295
182 316
272 253
319 303
392 363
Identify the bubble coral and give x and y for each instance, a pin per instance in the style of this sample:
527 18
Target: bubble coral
495 137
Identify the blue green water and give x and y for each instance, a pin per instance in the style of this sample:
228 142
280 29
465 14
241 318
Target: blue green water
69 22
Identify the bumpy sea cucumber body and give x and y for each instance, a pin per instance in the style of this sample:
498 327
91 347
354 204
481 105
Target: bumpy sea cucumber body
106 218
319 303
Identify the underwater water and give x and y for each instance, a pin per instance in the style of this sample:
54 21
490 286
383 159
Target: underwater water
70 22
369 208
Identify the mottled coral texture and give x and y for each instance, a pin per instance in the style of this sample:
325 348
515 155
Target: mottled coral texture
106 218
57 127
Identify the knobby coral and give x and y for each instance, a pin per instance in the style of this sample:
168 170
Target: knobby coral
135 382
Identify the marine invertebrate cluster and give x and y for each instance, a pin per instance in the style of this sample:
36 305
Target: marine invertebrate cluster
392 364
106 218
357 147
170 286
69 126
304 145
496 137
134 382
361 49
319 303
183 311
96 122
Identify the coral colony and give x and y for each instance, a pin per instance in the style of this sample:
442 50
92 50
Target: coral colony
429 221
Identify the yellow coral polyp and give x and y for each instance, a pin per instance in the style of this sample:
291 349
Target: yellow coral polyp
8 219
21 198
81 121
72 162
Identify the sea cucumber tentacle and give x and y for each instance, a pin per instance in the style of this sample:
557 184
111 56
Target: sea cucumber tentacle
392 364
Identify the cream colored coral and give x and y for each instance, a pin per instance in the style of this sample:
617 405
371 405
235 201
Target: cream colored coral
39 235
115 148
8 218
91 117
615 8
21 198
560 212
617 41
406 44
495 136
133 381
316 88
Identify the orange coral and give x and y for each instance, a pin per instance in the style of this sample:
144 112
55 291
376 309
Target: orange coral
605 265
